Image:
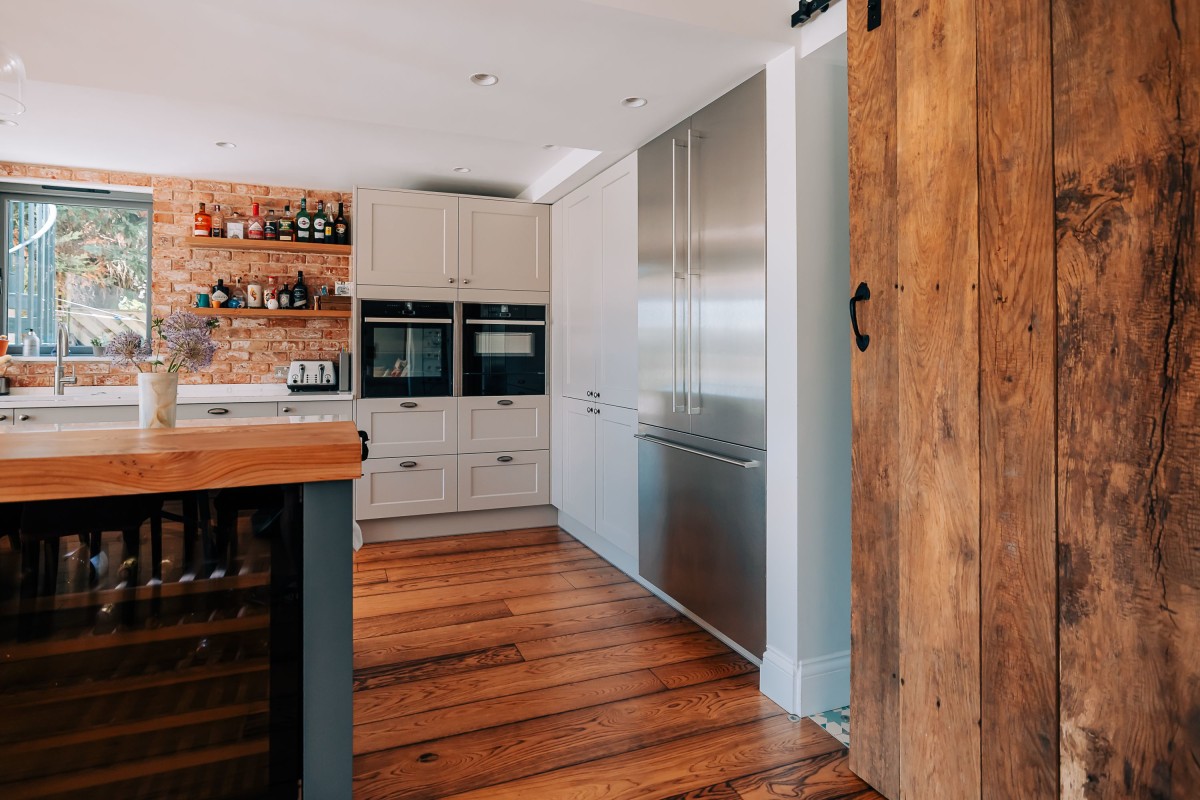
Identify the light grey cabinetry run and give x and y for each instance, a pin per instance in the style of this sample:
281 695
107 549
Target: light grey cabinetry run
66 415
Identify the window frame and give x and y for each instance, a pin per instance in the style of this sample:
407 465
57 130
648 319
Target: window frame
76 196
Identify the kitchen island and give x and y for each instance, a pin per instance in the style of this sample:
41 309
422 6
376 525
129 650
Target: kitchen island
175 609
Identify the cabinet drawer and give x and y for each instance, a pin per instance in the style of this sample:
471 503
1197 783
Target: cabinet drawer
503 480
60 416
343 409
426 426
402 487
494 424
222 410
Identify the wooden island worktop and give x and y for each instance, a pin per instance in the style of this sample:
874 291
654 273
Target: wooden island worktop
115 459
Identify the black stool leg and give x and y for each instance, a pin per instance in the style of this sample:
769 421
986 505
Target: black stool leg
30 552
156 546
129 567
51 566
191 513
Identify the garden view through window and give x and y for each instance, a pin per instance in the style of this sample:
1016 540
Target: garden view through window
76 259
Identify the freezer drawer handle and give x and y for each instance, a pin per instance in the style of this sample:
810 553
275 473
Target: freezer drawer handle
409 404
504 402
504 459
737 462
408 464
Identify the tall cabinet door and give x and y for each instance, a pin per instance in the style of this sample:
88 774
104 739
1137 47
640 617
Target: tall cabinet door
617 362
617 477
406 239
579 318
578 474
504 245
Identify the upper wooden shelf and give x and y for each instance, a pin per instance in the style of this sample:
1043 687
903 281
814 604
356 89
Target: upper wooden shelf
316 313
205 243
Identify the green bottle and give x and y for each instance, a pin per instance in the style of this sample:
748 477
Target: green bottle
304 223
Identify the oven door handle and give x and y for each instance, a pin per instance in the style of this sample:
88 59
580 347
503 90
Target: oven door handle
401 320
534 322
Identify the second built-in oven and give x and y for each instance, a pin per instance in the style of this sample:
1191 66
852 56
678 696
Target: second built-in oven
407 348
503 349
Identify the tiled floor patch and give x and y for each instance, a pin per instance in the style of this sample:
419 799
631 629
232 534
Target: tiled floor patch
836 722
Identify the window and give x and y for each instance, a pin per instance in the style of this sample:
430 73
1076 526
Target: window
76 256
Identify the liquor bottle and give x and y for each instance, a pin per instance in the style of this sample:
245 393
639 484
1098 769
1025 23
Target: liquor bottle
254 294
255 226
220 294
271 293
341 228
287 225
330 222
300 291
285 296
237 299
271 230
318 223
303 223
235 226
218 221
203 223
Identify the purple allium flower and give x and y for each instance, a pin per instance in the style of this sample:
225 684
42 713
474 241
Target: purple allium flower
181 321
128 349
190 348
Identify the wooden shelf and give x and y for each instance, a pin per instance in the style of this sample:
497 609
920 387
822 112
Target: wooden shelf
319 313
272 246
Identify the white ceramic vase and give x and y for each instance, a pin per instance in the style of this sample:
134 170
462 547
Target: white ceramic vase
158 393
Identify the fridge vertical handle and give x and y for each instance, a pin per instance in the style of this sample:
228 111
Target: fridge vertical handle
691 406
675 276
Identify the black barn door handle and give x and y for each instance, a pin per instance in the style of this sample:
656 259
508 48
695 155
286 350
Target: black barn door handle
863 292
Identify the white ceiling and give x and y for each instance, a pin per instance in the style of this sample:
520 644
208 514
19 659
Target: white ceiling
372 92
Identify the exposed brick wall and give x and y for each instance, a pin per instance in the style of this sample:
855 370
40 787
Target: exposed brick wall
249 348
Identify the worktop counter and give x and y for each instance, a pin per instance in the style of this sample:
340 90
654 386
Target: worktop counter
107 459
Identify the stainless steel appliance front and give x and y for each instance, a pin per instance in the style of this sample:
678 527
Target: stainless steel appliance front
702 363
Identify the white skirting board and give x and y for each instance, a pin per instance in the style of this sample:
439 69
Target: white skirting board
809 686
424 526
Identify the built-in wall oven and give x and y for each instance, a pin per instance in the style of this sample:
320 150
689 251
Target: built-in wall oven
503 349
407 348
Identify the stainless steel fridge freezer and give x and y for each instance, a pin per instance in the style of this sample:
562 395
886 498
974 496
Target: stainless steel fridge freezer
702 363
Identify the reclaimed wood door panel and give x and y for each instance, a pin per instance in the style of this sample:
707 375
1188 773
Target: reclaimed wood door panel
1018 647
875 402
1126 160
938 273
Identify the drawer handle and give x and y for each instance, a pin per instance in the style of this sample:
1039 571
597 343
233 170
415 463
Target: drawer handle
287 409
23 418
408 464
3 417
504 402
504 459
408 405
218 411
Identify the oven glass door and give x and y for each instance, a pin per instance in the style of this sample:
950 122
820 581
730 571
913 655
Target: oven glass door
409 356
503 356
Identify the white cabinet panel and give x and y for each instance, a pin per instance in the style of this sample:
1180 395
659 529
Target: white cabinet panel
60 416
343 409
493 424
221 410
417 426
401 487
405 239
616 471
504 245
503 480
578 473
579 316
617 363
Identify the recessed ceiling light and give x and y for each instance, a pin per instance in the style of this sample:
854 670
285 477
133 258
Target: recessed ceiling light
484 79
463 170
227 145
8 123
634 102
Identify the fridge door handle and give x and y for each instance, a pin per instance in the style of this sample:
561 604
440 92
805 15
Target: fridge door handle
675 276
737 462
691 405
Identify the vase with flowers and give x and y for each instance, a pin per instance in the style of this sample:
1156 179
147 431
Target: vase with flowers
181 341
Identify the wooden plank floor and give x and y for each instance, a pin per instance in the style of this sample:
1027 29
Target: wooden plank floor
518 664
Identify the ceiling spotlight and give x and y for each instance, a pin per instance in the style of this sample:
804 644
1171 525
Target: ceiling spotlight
634 102
8 123
463 170
484 79
227 145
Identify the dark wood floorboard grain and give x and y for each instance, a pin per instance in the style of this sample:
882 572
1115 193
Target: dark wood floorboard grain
519 665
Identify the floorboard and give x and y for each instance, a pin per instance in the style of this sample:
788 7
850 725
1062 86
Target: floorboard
518 664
